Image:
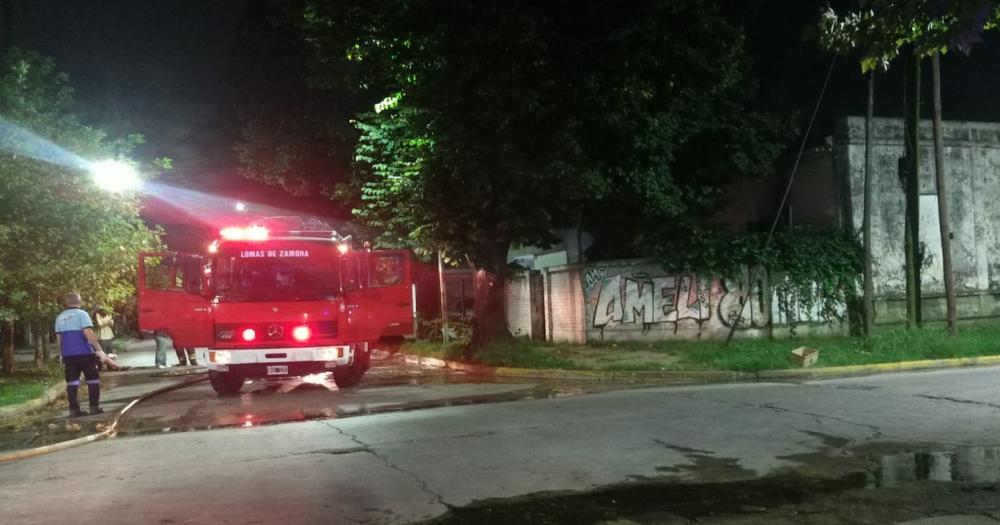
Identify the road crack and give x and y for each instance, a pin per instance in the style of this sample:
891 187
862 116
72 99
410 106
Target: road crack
683 450
876 431
364 447
959 400
334 451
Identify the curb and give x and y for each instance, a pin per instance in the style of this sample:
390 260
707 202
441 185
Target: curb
708 376
49 395
880 368
108 432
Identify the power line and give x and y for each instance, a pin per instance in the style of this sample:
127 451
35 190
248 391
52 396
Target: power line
784 199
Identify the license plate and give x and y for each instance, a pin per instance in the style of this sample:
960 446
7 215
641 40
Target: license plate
277 370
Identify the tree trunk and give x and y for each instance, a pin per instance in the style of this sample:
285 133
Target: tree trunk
911 105
942 198
489 283
867 299
7 345
39 334
45 335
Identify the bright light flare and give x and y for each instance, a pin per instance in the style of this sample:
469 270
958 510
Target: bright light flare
253 233
316 379
301 333
249 334
343 248
115 176
240 206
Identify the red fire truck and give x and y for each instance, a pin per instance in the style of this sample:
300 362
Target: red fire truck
280 297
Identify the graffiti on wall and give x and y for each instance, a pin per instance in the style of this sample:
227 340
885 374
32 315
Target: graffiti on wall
633 298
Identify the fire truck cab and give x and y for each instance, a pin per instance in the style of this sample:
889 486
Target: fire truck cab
278 298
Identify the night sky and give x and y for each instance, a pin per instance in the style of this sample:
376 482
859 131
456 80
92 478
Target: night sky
159 68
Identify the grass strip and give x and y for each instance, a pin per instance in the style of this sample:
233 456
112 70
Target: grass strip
742 355
27 384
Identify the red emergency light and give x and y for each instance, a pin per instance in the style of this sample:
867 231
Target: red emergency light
301 333
248 334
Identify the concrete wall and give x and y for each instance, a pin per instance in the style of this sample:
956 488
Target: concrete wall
564 305
972 170
519 305
636 300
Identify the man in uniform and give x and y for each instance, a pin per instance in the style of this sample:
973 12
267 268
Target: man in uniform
80 351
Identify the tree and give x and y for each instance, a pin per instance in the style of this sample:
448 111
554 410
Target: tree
488 124
57 231
542 119
881 29
293 135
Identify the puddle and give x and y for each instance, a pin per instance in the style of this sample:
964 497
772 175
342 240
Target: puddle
884 488
968 465
17 440
651 502
137 424
277 401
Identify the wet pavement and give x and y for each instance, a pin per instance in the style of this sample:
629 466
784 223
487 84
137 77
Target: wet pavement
929 487
389 386
51 424
917 448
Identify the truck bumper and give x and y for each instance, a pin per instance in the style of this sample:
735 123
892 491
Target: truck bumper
262 362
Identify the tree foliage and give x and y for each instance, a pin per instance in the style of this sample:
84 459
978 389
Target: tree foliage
58 232
881 28
293 134
486 124
819 269
517 119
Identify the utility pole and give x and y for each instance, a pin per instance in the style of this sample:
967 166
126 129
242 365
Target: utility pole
942 200
911 188
444 300
867 307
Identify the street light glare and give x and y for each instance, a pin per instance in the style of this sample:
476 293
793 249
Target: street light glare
241 207
114 175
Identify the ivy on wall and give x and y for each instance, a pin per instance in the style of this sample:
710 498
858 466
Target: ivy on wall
819 270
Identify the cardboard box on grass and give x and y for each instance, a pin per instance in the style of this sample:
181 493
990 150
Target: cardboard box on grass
805 356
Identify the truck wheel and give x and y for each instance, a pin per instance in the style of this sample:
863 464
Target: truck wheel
350 375
225 383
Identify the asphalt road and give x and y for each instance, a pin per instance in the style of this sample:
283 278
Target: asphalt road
412 465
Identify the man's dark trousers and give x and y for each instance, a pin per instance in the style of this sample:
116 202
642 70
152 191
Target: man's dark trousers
86 365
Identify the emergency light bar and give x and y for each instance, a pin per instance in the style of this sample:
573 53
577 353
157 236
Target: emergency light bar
253 233
276 228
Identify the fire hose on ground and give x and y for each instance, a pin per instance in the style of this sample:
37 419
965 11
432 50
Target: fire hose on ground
108 432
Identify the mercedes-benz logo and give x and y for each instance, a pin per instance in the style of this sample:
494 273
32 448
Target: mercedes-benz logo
275 331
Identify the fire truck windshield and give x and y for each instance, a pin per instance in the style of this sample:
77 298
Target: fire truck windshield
245 276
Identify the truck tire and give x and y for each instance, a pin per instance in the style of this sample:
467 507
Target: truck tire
225 383
350 375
